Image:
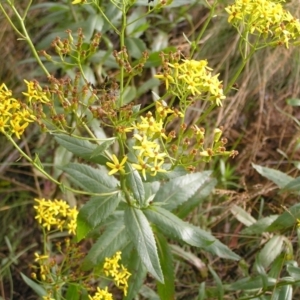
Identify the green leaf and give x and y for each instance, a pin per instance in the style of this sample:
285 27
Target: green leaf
192 259
101 148
147 86
81 148
96 210
166 290
135 184
258 282
200 196
286 220
260 226
293 102
148 293
172 226
138 275
293 185
135 47
91 179
179 190
35 286
201 291
284 292
242 216
129 94
141 234
137 23
218 282
294 271
271 250
154 59
73 292
277 265
278 177
113 239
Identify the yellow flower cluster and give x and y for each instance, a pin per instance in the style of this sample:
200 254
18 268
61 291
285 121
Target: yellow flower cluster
191 77
101 295
266 18
150 157
35 93
147 133
118 272
44 266
57 214
79 2
14 117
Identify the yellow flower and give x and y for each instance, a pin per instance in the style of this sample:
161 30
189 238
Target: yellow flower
56 214
162 109
157 168
116 166
48 298
144 146
266 19
192 77
3 122
14 117
17 128
35 93
167 77
40 257
101 295
78 2
118 272
141 166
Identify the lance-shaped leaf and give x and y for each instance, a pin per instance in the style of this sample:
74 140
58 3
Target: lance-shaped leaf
200 196
140 232
39 289
166 290
251 283
113 239
138 275
278 177
96 210
286 220
271 250
83 148
91 179
101 148
174 227
135 184
180 189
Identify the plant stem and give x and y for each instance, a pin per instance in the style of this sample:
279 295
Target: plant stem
239 71
40 168
199 37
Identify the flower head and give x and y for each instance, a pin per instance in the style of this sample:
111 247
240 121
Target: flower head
266 19
57 213
78 2
192 77
116 166
14 116
101 295
34 92
118 272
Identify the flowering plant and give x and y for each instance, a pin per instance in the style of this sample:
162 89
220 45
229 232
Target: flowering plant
140 169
